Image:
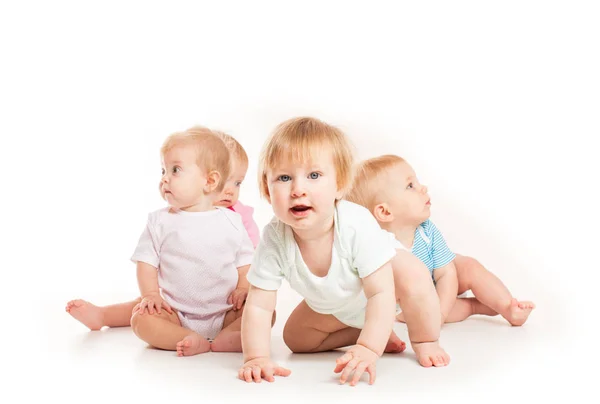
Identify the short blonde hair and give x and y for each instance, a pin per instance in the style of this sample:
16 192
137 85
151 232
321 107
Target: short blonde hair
370 177
235 148
211 152
297 139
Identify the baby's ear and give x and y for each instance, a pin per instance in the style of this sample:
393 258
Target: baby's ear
213 179
383 213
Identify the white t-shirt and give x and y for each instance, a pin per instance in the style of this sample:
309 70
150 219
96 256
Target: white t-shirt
197 255
360 247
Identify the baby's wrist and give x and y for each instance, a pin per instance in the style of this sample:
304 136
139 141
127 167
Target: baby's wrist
251 358
423 342
368 346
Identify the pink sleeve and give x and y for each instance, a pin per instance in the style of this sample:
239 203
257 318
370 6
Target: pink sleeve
249 223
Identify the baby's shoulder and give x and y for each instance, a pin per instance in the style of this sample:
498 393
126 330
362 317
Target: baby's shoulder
160 215
352 216
351 212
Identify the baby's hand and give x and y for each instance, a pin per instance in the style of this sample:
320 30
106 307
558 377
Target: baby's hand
237 298
430 354
261 368
151 302
358 359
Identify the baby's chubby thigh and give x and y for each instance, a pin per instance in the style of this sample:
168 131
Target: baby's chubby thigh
306 330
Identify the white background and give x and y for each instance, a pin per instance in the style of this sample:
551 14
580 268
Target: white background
495 104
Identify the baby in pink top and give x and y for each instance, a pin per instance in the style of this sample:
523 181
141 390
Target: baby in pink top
119 315
249 223
229 197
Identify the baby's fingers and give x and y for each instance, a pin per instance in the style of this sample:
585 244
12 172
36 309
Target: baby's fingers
371 370
340 362
348 370
248 375
279 371
167 307
240 302
256 372
268 371
358 372
151 307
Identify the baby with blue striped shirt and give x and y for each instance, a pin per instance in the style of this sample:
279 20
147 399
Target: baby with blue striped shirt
389 188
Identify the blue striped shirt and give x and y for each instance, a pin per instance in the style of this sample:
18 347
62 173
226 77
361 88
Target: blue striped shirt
429 246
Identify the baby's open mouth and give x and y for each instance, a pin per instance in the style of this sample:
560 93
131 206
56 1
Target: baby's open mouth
300 210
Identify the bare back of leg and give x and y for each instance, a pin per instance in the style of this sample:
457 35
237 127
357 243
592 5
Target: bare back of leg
308 331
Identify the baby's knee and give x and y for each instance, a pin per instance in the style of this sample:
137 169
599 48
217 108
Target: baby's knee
138 321
293 339
290 339
466 266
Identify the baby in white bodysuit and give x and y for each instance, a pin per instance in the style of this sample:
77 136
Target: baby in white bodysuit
192 256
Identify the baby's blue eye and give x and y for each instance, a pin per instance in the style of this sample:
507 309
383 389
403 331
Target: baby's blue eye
314 176
284 178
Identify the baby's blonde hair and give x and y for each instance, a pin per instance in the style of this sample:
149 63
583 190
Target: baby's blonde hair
211 152
370 179
235 148
297 139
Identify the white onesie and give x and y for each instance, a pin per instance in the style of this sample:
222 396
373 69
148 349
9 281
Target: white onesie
197 255
360 247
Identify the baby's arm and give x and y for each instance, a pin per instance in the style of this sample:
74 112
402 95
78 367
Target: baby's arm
147 277
256 337
379 320
447 288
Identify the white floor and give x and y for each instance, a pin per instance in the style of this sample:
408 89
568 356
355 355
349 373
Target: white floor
490 361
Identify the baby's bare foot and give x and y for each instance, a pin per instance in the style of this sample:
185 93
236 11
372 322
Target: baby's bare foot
192 345
395 344
519 312
89 315
430 354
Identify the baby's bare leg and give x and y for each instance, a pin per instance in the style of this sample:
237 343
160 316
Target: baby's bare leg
466 307
164 331
490 291
95 317
308 331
